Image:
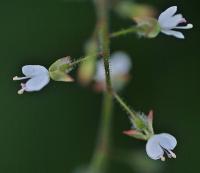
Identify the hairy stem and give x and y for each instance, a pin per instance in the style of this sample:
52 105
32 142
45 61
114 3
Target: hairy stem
82 60
124 105
147 129
103 36
99 160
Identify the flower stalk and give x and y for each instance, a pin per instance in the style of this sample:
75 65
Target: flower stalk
78 61
142 124
124 32
124 105
99 160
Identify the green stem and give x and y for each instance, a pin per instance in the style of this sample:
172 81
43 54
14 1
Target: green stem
78 61
124 105
102 9
123 32
99 160
148 130
82 59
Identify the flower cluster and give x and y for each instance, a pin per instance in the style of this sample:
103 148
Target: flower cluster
92 70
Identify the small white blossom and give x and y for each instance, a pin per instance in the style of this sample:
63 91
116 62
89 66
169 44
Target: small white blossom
120 65
38 77
169 21
160 144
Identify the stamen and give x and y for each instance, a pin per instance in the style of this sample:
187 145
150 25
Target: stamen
188 26
172 154
169 153
21 91
162 158
19 78
15 78
23 85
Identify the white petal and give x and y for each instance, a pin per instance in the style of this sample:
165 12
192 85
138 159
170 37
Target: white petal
172 22
153 148
176 34
100 72
34 70
120 63
167 14
167 141
36 83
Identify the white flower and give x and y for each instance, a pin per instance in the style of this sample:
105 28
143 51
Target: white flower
120 65
160 144
169 21
38 77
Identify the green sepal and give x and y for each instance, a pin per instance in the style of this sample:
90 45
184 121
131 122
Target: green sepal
143 123
139 121
147 27
150 121
59 70
135 134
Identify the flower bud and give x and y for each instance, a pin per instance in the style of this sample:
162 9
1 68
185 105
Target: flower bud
87 68
86 71
59 70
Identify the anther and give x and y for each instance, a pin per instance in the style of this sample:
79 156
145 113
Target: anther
162 158
21 91
15 78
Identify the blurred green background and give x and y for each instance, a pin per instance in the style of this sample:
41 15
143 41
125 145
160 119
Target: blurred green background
54 130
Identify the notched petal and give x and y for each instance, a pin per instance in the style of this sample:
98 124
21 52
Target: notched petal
36 83
34 70
167 13
153 149
171 140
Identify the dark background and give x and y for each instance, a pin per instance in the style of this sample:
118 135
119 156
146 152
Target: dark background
54 130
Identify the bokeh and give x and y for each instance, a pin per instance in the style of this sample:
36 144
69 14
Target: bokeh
54 130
